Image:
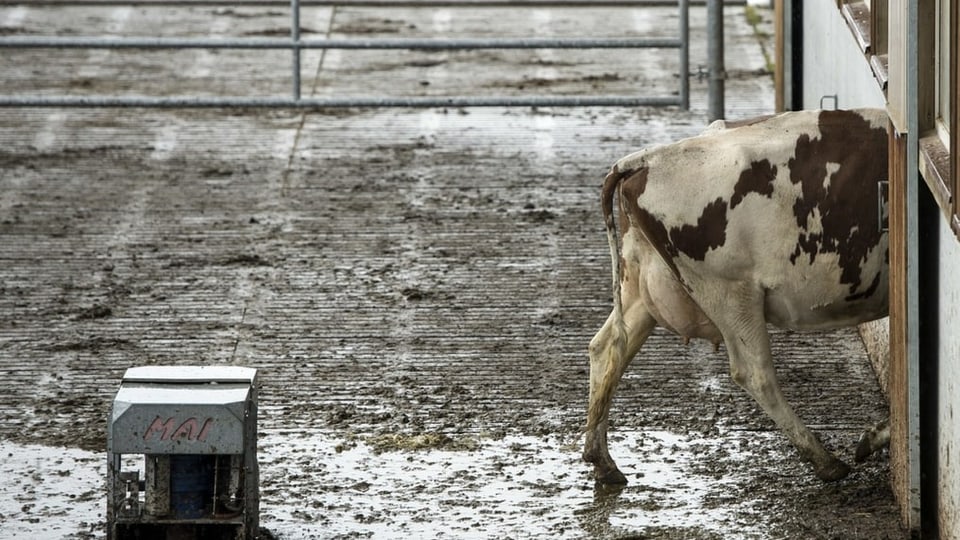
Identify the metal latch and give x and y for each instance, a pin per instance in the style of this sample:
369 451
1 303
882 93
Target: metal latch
883 213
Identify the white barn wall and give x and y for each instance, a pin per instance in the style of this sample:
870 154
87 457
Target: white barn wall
833 64
948 380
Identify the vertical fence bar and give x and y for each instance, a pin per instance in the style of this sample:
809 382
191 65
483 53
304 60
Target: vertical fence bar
716 71
295 38
685 54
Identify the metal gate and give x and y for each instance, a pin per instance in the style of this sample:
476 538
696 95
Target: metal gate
295 44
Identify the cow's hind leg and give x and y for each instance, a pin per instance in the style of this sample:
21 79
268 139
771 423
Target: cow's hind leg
751 366
873 440
610 352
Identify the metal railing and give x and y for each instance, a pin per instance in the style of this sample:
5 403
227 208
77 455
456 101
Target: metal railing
296 45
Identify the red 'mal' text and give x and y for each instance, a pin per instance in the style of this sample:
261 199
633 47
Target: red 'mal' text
172 430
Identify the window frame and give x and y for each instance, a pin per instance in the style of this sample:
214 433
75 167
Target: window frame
954 120
867 20
939 144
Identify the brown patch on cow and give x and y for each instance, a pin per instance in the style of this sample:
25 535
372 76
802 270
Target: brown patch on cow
630 190
867 293
846 206
653 230
757 179
710 232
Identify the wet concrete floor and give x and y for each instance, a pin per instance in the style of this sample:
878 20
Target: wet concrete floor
418 287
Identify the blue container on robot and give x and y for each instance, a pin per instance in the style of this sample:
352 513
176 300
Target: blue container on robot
191 485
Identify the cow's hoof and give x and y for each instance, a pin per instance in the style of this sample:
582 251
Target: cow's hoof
610 477
873 440
833 471
864 449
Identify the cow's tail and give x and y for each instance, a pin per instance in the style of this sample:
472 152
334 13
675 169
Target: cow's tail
610 185
616 346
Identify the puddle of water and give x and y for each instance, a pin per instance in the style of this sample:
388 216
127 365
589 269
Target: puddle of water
51 492
517 487
317 486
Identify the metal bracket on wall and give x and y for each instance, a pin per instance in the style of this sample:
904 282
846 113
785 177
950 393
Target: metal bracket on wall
836 102
883 214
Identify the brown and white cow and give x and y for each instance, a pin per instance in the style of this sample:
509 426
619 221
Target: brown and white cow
770 221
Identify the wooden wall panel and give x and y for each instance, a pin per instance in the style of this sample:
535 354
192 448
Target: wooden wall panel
899 387
897 36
